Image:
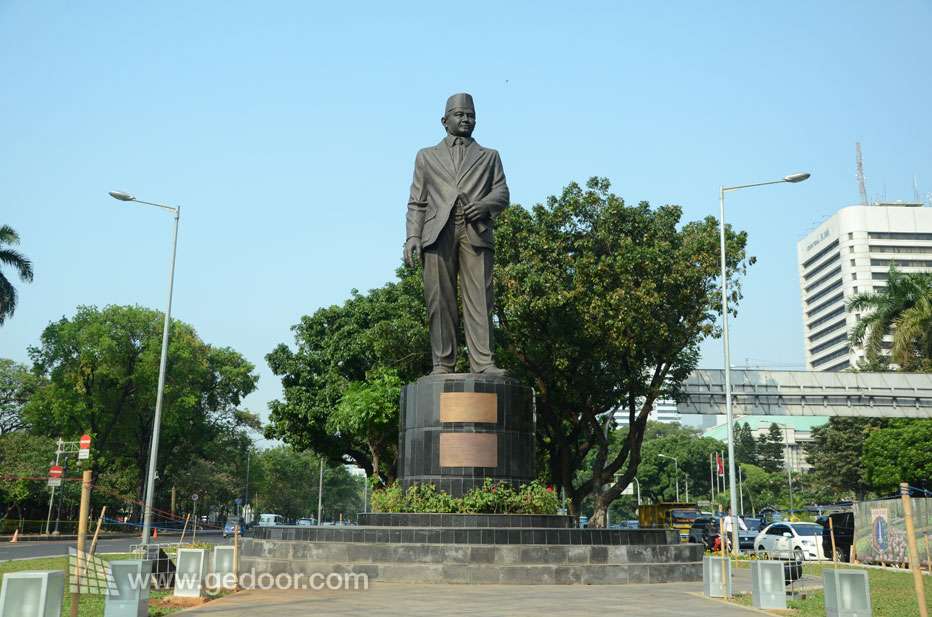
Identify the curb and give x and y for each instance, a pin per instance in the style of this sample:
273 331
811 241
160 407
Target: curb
71 536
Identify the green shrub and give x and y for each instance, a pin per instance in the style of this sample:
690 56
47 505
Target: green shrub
490 498
481 500
535 498
388 499
426 498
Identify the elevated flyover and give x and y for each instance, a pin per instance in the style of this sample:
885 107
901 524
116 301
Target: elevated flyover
808 393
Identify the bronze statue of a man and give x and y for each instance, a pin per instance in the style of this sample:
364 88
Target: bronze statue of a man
458 189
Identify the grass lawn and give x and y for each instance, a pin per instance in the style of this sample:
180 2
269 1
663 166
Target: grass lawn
90 605
892 594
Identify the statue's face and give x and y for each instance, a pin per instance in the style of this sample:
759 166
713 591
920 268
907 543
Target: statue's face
459 122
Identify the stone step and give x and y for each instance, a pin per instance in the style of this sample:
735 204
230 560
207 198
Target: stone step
468 535
500 574
466 554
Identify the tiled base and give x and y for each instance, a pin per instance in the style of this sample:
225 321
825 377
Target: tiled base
475 564
459 450
473 535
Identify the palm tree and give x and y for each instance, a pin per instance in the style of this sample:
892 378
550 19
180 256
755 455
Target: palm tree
885 309
9 257
912 341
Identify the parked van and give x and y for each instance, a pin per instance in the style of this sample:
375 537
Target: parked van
271 520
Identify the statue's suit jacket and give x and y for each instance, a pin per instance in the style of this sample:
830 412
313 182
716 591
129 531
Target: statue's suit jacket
436 186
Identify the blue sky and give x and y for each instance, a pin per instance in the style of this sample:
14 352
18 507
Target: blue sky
287 133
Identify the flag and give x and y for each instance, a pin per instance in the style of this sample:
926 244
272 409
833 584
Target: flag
721 464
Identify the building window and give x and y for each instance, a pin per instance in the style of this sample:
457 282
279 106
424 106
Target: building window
902 263
898 235
855 290
824 292
850 249
851 235
832 356
854 276
852 263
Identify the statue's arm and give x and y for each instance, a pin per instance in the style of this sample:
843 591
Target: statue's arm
497 199
417 202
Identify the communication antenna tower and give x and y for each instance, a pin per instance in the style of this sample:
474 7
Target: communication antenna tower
860 168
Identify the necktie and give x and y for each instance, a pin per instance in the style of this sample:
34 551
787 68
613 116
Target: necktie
458 151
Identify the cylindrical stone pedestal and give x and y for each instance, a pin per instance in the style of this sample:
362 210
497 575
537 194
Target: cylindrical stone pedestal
458 429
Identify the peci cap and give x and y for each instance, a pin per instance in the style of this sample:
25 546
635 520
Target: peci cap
461 100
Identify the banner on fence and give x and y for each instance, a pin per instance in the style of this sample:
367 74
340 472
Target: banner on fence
880 529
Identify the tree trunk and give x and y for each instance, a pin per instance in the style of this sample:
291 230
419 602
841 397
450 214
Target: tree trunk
599 518
375 462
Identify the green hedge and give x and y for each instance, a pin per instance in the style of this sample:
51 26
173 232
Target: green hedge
491 498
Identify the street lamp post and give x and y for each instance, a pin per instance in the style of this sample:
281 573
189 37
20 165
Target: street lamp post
157 420
320 493
676 473
729 418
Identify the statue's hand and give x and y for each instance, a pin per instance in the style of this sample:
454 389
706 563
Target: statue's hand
476 211
413 251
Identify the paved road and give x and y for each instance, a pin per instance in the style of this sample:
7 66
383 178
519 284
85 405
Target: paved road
27 550
411 600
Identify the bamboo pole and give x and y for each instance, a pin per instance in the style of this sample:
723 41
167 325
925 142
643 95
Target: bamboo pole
82 536
913 550
100 520
928 555
831 532
187 517
236 556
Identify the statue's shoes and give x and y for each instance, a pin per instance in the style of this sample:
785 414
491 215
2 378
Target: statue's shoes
493 371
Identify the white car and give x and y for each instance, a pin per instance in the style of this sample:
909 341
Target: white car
801 541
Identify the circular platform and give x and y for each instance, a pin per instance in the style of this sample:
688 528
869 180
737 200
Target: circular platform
498 521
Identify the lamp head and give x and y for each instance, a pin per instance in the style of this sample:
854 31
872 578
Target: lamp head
796 177
122 196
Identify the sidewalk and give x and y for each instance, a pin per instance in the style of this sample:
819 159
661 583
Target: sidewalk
412 600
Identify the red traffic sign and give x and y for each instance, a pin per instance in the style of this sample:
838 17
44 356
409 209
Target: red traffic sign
55 471
85 442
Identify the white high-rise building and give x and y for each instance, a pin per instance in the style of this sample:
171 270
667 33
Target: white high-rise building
851 253
666 411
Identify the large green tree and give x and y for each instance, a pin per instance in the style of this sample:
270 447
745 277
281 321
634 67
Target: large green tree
286 483
17 384
899 452
836 454
24 464
101 367
906 300
11 258
342 382
601 308
658 475
770 449
745 444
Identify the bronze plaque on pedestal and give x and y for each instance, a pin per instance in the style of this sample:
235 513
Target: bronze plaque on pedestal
468 449
469 407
